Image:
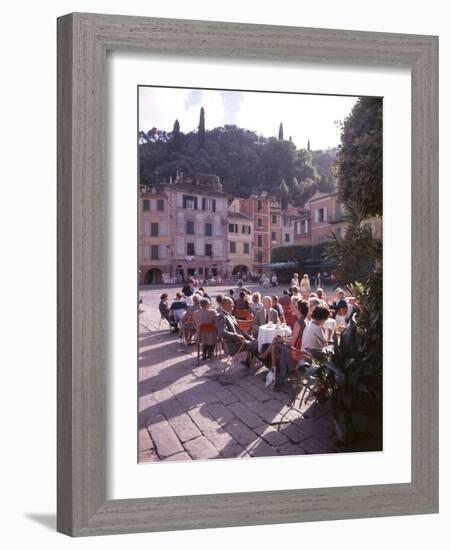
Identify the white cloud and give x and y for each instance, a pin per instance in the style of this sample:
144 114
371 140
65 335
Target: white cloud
304 116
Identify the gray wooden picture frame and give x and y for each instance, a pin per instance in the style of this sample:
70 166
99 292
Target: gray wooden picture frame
83 41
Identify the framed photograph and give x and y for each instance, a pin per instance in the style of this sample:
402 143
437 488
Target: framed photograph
247 223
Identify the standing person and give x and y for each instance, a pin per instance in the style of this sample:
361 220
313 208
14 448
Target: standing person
294 280
274 280
208 340
305 286
188 291
318 281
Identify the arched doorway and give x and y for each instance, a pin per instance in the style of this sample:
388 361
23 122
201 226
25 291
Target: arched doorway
240 269
153 277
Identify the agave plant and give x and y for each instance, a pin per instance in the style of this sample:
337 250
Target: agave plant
343 375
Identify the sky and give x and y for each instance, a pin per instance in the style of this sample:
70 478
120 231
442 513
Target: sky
304 116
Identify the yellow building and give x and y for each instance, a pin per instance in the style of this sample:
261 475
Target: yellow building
240 239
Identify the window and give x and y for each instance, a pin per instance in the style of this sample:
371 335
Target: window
145 251
302 227
232 247
146 205
338 232
246 248
260 240
233 227
260 223
160 205
190 249
246 230
259 207
321 215
208 250
287 237
274 219
154 252
189 202
189 228
274 236
153 229
209 205
208 229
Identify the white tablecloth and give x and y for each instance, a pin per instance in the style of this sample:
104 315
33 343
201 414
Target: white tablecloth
266 334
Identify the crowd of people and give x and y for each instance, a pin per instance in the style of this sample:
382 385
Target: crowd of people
235 318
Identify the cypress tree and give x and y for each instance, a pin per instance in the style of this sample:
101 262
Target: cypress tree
176 136
280 132
284 194
201 129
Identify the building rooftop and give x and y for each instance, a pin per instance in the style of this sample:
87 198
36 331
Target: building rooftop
240 215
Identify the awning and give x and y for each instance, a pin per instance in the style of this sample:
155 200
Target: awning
279 265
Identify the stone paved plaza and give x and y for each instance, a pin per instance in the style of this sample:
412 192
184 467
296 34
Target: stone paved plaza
190 412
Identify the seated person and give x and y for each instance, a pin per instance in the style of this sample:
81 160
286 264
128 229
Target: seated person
208 340
177 309
340 306
285 300
219 299
265 315
256 304
231 333
188 318
163 306
321 297
312 303
314 335
278 308
241 303
195 304
284 350
330 325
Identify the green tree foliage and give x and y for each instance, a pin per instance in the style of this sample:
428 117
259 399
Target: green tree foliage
284 194
201 129
245 161
280 132
176 138
360 157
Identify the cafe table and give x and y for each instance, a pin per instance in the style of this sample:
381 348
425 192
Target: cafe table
267 333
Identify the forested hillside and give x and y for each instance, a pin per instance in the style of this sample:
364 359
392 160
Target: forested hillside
245 161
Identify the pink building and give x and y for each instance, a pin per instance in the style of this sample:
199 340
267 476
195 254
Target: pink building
323 215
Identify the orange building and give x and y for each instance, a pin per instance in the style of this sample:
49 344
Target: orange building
257 208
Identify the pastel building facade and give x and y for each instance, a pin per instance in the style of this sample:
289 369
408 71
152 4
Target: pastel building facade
257 208
155 234
240 239
195 243
323 215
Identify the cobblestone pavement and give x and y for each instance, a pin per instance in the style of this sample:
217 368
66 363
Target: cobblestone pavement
189 411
